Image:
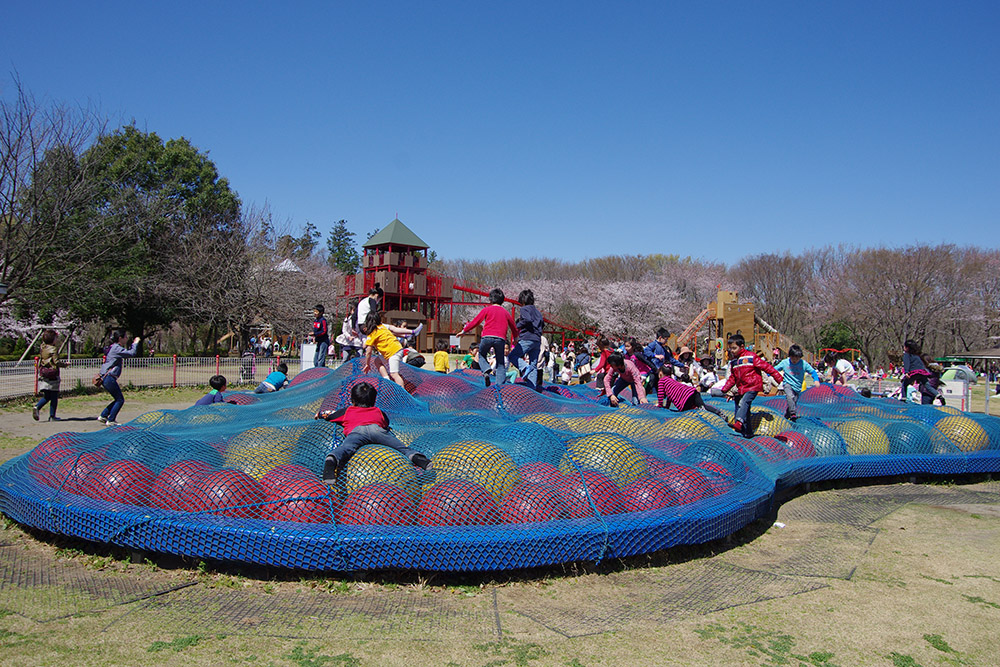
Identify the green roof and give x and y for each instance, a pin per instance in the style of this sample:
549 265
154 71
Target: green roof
395 233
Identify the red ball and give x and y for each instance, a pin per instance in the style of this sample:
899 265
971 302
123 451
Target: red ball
457 502
302 500
686 484
718 478
380 504
798 444
241 399
122 481
648 493
529 502
173 488
278 476
767 448
606 495
541 473
229 492
75 470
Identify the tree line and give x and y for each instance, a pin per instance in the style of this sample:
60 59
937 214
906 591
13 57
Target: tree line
121 227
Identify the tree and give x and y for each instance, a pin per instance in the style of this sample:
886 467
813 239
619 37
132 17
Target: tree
176 222
44 189
343 255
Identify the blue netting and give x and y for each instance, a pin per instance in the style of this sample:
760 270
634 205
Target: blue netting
521 478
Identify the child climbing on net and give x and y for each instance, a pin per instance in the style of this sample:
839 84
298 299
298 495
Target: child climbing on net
680 392
381 340
364 424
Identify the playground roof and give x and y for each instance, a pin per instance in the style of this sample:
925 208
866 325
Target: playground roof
395 233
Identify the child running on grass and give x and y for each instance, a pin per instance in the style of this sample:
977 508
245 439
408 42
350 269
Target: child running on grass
681 393
496 321
381 339
745 367
364 424
794 368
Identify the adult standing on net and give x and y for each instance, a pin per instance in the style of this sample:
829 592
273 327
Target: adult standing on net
321 336
48 375
529 340
496 321
111 371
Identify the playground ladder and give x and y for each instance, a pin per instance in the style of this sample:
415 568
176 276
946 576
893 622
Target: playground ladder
689 334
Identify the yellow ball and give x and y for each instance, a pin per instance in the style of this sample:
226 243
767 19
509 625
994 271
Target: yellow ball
715 420
964 432
579 425
479 462
768 423
158 418
609 453
377 463
257 450
863 437
210 418
689 427
631 426
551 421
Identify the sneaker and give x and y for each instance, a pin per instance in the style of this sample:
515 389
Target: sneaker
34 413
112 423
487 376
420 461
737 426
55 419
102 419
941 398
416 332
793 417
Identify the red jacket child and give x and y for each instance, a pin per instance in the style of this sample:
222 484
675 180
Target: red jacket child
745 372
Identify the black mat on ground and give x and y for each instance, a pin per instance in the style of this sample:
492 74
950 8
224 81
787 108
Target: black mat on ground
682 590
839 508
376 614
809 550
45 589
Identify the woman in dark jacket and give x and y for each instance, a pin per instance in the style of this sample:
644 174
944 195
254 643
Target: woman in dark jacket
529 339
48 375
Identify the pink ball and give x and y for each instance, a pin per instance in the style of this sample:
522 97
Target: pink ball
173 487
122 481
648 493
379 504
529 502
457 502
229 492
301 500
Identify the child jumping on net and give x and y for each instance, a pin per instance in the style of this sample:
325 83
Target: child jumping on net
496 321
381 339
681 393
745 367
794 368
364 424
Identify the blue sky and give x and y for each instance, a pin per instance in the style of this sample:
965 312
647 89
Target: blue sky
565 129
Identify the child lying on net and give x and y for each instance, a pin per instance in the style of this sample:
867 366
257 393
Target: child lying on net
364 424
681 393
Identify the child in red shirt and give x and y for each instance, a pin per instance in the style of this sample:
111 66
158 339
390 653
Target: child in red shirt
496 321
364 424
745 369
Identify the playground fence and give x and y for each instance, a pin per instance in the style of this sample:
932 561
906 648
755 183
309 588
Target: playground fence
21 379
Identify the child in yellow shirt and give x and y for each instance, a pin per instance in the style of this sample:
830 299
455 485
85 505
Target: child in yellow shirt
381 339
441 356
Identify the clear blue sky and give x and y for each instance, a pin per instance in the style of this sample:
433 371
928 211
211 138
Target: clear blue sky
568 129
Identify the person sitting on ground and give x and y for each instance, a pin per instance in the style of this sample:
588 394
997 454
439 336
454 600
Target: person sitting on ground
441 356
364 424
275 381
218 385
745 368
794 368
622 374
708 375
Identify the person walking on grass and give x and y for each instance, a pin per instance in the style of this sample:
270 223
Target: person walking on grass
49 364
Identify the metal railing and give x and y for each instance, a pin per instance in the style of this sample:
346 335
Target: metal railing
21 379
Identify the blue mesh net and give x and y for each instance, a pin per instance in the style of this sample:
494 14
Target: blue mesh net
518 478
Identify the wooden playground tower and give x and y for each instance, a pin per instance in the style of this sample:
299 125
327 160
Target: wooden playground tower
727 316
396 259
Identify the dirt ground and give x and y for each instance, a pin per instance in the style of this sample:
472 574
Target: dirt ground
891 574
